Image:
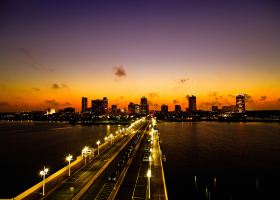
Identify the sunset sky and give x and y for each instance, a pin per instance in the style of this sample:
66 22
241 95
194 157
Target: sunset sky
54 52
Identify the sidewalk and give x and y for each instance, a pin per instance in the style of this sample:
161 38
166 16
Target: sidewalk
158 188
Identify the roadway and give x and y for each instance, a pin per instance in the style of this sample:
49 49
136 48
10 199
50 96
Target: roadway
103 188
80 178
134 184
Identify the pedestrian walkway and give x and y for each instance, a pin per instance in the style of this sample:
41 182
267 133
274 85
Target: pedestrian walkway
158 187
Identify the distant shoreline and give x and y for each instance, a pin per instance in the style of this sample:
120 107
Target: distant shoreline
127 123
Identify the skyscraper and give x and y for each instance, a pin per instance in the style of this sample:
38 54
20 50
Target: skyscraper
131 108
164 109
240 103
192 103
105 104
84 104
144 105
97 106
177 108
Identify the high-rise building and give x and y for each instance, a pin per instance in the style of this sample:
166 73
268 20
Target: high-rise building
164 109
105 105
215 108
131 108
84 104
192 103
137 108
97 107
240 103
114 109
231 108
144 105
177 108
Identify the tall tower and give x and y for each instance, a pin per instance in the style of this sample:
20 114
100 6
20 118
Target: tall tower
84 104
144 107
240 103
164 109
105 104
192 103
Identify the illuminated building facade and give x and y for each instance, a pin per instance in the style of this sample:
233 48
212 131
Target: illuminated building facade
164 109
144 107
178 108
84 104
192 103
240 103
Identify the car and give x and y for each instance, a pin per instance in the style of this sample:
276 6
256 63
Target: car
145 158
113 176
121 164
147 149
128 152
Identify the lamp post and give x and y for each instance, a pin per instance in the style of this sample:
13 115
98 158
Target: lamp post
98 142
69 158
150 160
149 183
111 136
43 173
84 153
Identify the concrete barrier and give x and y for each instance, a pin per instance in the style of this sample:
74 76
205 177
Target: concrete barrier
38 186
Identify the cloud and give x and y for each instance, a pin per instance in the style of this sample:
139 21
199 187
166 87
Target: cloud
51 103
119 71
36 89
67 104
248 98
32 62
3 103
263 98
55 86
213 94
150 103
183 80
64 85
153 95
26 53
279 99
54 103
175 101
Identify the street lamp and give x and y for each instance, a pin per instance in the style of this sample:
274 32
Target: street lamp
149 183
98 142
150 160
84 153
69 158
111 136
43 173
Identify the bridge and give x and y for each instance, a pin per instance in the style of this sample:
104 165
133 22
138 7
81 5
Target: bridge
128 165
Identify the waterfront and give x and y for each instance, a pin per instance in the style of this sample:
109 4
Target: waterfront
25 147
243 158
231 160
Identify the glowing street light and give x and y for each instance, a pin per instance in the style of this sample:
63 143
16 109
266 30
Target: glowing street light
69 158
84 153
43 173
111 136
98 142
150 160
149 183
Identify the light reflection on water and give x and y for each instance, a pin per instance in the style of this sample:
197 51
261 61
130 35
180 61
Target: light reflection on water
25 147
231 160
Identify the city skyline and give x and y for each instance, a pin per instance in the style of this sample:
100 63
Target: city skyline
52 54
